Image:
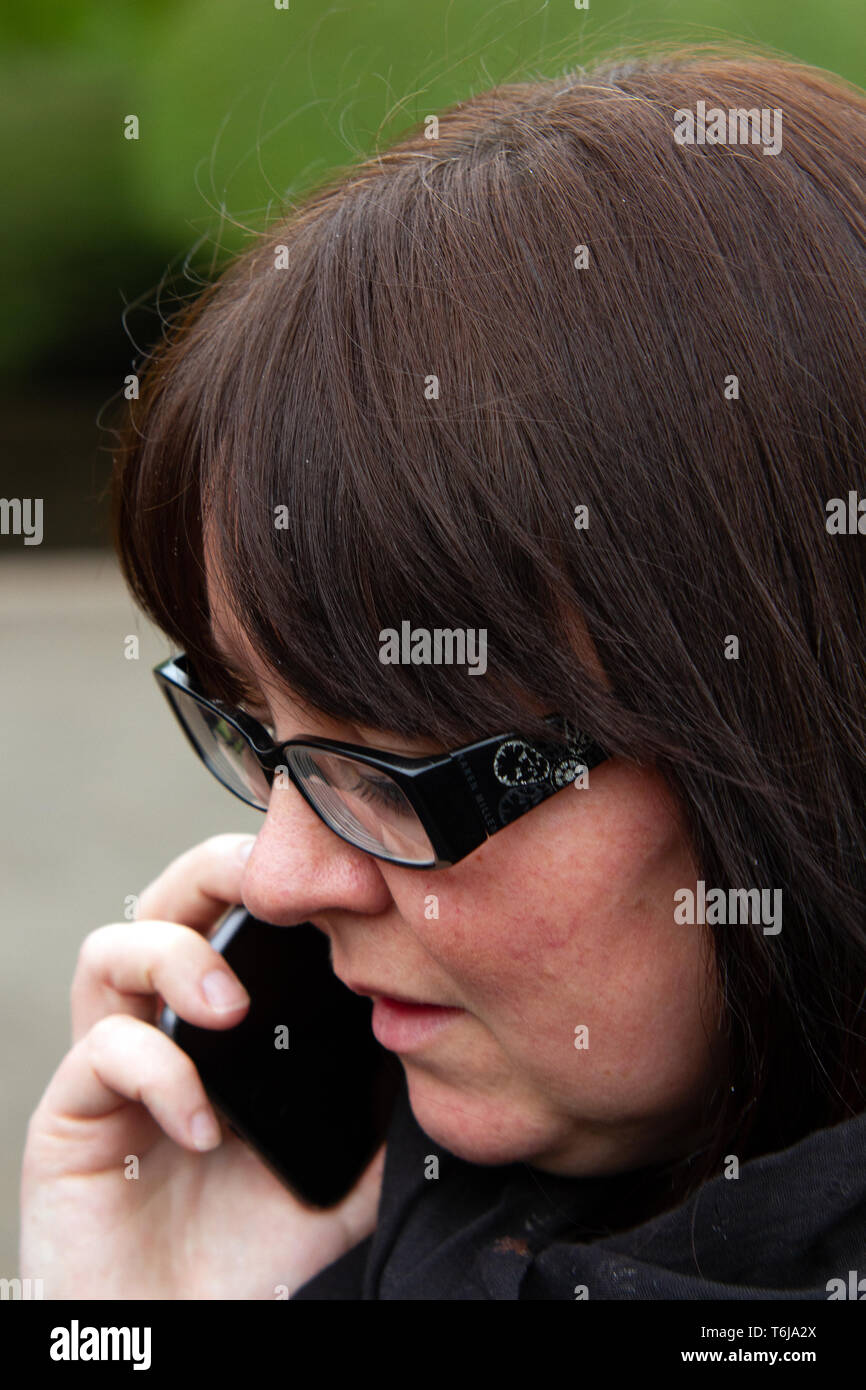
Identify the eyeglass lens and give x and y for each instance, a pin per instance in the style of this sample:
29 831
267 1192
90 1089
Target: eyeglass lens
362 803
224 749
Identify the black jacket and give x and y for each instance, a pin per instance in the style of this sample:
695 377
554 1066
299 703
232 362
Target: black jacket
790 1223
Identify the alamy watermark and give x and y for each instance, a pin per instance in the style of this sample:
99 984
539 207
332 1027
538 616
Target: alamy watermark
422 646
846 516
22 516
77 1343
743 905
854 1287
737 126
19 1290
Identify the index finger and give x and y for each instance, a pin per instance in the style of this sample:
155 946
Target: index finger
196 888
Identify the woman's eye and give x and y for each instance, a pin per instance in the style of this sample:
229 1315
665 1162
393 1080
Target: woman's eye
381 791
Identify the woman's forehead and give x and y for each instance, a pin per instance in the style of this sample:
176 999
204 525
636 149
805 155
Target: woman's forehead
231 641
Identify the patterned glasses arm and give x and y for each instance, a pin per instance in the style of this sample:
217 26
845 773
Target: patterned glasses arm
509 776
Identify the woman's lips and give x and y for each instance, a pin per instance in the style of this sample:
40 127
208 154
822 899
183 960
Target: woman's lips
404 1024
401 1026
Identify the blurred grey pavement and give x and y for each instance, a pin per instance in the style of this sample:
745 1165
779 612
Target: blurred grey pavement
100 792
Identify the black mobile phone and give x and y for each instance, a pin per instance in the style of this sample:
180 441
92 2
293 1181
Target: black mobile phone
301 1078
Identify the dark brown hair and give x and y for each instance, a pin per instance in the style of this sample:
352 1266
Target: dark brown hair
310 387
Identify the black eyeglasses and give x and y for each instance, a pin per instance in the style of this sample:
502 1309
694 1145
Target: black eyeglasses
421 813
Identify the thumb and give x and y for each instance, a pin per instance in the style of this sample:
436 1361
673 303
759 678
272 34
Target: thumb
359 1210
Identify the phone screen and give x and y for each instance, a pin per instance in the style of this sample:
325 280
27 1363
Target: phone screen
301 1079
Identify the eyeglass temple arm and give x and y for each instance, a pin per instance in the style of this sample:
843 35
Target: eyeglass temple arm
507 777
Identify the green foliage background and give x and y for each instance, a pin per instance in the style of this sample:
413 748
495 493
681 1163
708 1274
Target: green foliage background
239 105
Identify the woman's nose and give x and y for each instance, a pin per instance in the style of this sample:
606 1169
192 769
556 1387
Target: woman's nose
299 867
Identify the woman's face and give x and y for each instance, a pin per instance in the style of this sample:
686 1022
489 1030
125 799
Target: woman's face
563 921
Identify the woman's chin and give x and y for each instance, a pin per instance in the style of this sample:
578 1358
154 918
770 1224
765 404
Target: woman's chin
479 1129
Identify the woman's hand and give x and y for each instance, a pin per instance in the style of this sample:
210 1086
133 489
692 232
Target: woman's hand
197 1221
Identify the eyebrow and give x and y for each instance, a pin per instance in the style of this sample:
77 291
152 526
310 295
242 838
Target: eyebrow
229 660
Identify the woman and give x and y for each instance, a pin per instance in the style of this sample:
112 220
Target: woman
578 377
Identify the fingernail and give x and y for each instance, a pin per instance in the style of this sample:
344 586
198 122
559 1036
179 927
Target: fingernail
222 993
204 1130
245 850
